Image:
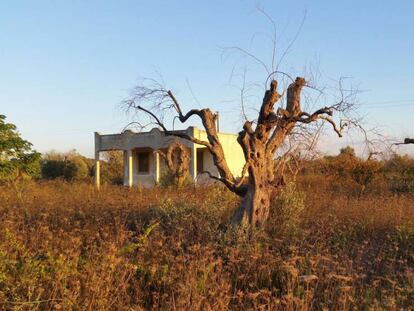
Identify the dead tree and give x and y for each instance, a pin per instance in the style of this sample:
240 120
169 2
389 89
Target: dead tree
178 159
259 139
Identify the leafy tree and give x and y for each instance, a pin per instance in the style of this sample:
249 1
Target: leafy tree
347 151
399 172
346 166
69 166
16 154
112 167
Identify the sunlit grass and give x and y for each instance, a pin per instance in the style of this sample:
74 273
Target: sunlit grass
66 246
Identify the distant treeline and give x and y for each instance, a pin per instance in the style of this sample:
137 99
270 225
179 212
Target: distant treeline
19 160
72 166
345 171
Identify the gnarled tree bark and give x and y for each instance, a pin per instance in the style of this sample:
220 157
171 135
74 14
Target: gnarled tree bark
259 146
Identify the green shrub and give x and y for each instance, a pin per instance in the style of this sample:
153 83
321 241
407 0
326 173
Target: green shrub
16 154
68 169
289 206
112 167
167 179
399 173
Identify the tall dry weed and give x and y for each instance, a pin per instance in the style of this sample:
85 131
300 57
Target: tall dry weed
67 246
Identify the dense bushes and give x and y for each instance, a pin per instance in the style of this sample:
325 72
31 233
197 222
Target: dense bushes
68 169
355 176
71 166
168 179
68 166
112 168
399 173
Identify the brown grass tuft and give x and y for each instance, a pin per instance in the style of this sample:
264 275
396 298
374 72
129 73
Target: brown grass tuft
67 246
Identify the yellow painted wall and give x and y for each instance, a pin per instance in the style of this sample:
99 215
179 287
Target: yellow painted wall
232 152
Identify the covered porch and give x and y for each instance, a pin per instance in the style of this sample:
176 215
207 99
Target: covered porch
143 166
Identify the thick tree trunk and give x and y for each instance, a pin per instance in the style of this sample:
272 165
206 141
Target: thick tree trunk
255 205
259 146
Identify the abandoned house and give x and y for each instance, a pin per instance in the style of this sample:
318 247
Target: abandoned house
144 166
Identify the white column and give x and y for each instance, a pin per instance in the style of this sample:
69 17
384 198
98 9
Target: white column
157 167
193 162
125 168
97 138
130 168
97 171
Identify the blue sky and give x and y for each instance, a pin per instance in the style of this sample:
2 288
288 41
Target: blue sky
66 65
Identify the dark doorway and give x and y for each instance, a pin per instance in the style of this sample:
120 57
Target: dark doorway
200 160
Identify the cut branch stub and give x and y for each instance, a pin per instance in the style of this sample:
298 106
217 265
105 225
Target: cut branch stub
408 141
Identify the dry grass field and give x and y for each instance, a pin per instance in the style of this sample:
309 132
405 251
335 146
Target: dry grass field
67 246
